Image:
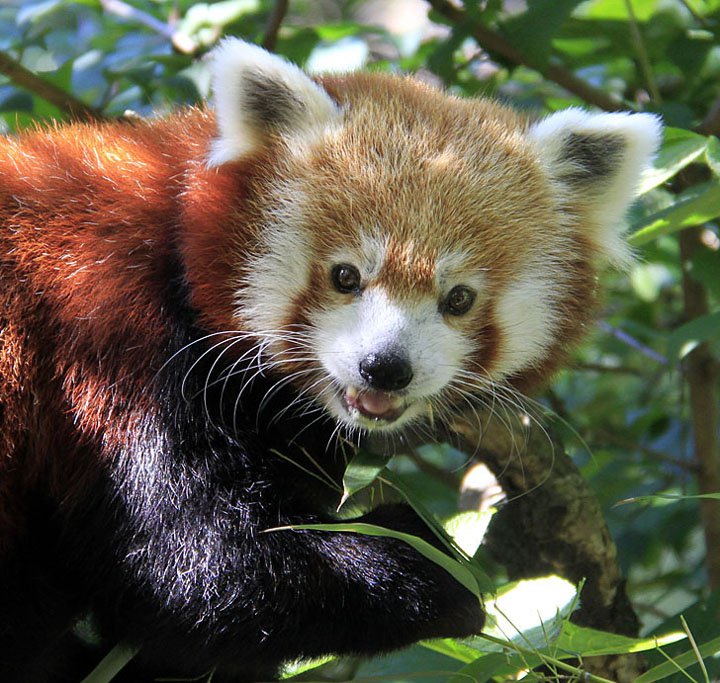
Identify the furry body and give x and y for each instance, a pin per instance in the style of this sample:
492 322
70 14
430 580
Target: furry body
140 289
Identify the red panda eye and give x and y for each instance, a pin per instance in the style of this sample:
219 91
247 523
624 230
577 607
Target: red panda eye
459 301
346 279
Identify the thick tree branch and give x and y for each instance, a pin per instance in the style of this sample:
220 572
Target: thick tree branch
552 523
495 44
37 85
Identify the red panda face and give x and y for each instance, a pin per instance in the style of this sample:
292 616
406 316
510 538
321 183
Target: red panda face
415 251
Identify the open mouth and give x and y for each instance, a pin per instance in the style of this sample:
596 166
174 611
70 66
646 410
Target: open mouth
377 406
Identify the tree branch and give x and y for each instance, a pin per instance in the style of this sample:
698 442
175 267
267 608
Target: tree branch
552 523
273 27
64 101
496 45
702 372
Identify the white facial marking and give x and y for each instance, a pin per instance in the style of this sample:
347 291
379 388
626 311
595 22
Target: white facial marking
452 269
281 269
527 319
374 323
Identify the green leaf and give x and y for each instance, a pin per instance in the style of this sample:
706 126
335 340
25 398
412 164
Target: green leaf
486 584
457 570
491 664
361 471
33 11
531 611
533 30
616 10
689 335
712 155
452 648
215 15
305 666
112 663
656 498
685 660
696 206
680 148
588 642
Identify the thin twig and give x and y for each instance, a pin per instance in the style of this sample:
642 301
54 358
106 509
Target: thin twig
495 44
701 373
642 54
64 101
608 369
126 11
181 42
274 22
632 342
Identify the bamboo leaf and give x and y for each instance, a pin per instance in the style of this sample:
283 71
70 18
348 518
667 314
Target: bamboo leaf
696 206
680 148
112 663
689 335
361 471
686 659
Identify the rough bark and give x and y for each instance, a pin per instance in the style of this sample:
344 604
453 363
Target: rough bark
552 523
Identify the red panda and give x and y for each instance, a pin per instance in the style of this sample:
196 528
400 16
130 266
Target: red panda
195 311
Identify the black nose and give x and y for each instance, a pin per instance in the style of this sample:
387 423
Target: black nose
386 371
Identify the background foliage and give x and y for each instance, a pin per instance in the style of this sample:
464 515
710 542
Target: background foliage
642 396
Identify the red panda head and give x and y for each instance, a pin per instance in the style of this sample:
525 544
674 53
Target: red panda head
403 250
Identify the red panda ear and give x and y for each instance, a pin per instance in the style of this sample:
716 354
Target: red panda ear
257 95
595 162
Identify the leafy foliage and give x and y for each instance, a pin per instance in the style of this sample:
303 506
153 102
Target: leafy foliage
627 396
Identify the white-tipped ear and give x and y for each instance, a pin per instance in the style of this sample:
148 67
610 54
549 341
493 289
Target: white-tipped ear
258 94
595 162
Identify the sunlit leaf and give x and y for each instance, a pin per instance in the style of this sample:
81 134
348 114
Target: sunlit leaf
486 584
617 9
712 155
303 667
361 471
660 498
696 206
680 148
114 662
692 333
685 660
591 643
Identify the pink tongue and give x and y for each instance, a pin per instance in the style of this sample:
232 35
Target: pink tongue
375 403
